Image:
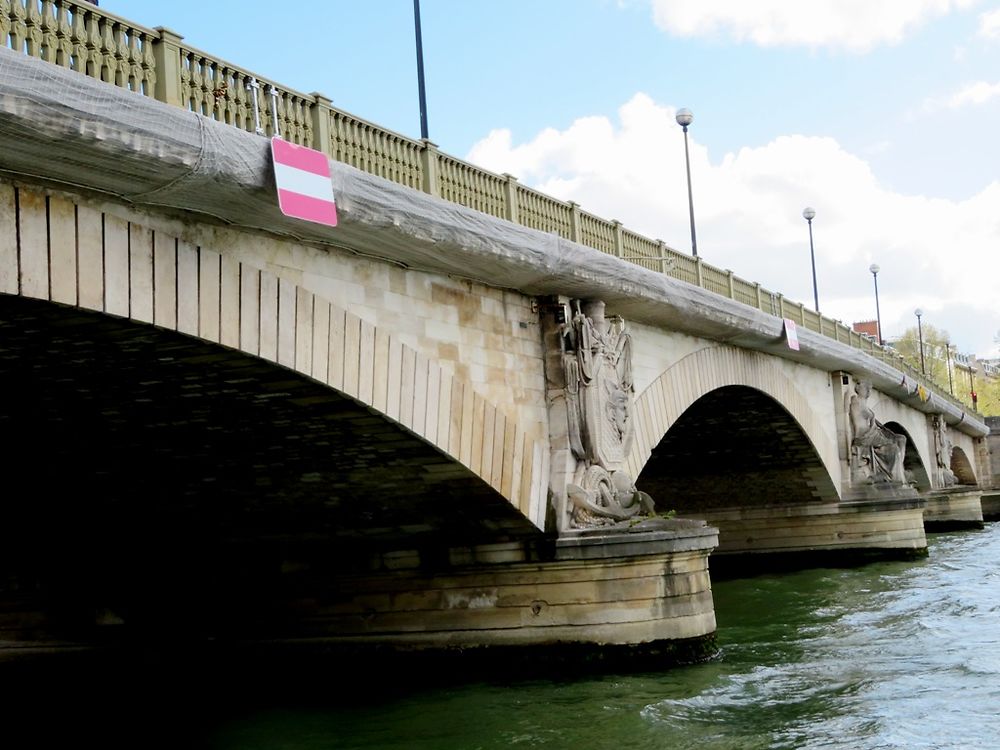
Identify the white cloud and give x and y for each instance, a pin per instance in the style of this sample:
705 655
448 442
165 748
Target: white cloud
938 254
979 92
989 24
971 94
854 25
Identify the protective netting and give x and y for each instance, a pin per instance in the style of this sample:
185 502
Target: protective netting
63 128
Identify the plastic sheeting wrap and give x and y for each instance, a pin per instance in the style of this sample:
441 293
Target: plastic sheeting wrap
61 127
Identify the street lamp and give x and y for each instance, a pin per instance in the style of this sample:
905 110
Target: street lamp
685 118
878 315
421 91
920 334
808 214
947 353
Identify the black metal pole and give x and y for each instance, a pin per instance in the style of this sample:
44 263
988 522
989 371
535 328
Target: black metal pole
920 335
878 314
812 259
420 71
947 351
687 162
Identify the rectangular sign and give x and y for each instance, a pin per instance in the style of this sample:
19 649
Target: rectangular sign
791 334
303 179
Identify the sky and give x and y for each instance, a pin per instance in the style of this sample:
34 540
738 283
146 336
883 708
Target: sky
882 115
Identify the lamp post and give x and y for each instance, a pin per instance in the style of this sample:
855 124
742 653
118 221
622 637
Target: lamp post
685 118
947 353
421 92
808 214
920 335
972 390
878 315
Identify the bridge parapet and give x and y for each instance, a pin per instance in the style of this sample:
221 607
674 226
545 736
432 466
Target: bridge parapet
156 63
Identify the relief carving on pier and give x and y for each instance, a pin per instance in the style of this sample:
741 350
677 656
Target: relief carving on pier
599 392
877 453
942 451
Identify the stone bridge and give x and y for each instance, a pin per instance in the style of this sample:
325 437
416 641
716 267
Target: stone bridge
424 427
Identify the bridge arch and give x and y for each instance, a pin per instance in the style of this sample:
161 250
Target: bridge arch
670 395
962 467
735 447
58 251
913 461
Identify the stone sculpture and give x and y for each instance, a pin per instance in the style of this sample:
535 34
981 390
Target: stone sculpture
597 364
605 498
942 451
877 452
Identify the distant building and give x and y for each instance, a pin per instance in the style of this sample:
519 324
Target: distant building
867 327
989 367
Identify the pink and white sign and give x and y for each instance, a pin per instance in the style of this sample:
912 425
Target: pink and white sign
791 334
303 178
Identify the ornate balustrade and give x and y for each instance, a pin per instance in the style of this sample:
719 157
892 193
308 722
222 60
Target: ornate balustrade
155 62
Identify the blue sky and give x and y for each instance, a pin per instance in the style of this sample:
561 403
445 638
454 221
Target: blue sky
881 114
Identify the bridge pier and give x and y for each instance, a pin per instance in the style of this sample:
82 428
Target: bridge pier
861 529
991 497
642 596
639 590
991 506
954 508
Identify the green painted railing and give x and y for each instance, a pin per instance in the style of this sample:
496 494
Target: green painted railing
156 63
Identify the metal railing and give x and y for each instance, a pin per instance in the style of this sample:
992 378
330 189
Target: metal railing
156 63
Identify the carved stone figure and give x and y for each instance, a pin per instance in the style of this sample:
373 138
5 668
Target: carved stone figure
597 363
942 451
599 389
601 498
877 452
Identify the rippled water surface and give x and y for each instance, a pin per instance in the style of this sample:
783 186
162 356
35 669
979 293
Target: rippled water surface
891 655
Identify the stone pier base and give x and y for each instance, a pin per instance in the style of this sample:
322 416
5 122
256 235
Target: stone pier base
954 508
601 588
639 595
862 528
990 503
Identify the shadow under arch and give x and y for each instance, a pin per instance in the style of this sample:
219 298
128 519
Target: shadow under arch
153 424
735 447
178 485
665 401
913 464
961 467
78 256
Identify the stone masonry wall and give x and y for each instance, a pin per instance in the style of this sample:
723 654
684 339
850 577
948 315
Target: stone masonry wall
993 449
485 336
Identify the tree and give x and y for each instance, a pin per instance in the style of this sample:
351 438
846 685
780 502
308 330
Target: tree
988 391
936 346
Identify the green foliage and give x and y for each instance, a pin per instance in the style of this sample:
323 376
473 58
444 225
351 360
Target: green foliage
935 352
988 390
936 362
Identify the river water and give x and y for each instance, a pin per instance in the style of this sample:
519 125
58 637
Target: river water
890 655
